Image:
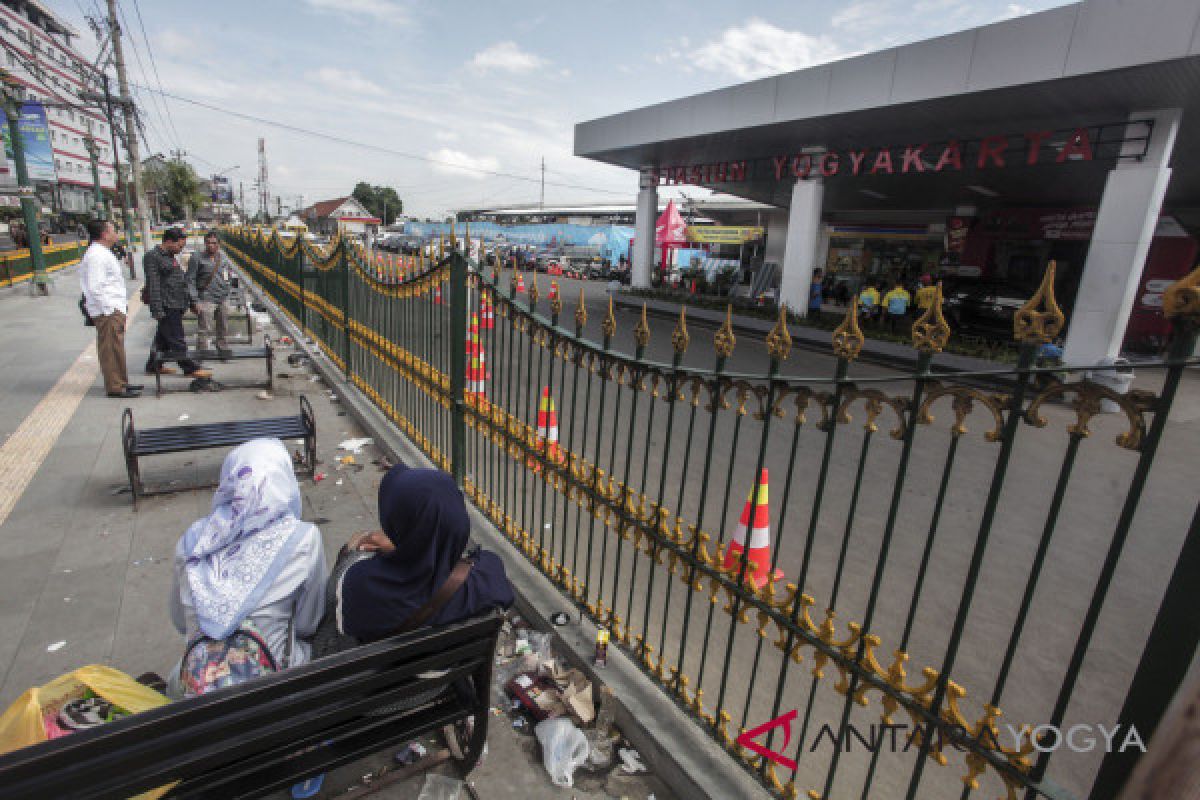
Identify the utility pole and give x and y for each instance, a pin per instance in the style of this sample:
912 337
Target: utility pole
12 109
131 144
542 201
89 142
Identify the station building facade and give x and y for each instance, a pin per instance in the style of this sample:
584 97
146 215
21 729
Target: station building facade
979 155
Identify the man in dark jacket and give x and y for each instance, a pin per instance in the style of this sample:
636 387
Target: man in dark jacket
167 291
208 275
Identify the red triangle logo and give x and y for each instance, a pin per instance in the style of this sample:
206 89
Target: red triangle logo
746 740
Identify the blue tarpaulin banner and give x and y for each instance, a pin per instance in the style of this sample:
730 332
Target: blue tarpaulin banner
613 240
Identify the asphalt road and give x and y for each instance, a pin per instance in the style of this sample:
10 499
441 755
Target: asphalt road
660 448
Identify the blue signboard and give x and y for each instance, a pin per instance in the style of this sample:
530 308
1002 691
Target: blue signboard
35 136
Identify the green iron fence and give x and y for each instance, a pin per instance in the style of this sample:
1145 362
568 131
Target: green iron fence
924 527
17 267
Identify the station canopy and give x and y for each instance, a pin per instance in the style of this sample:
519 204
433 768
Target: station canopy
1038 108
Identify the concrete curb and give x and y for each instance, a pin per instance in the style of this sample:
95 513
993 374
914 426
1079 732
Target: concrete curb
670 742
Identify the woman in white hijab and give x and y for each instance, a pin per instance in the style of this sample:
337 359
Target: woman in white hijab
252 559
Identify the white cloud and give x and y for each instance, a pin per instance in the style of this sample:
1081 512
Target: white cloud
868 14
456 162
1015 10
507 57
758 49
346 80
364 10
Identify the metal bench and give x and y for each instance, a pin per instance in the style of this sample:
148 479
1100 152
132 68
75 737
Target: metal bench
266 352
184 438
265 735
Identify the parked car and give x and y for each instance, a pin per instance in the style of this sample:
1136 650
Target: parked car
553 268
597 270
985 309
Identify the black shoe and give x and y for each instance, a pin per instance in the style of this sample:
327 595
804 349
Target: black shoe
137 387
129 392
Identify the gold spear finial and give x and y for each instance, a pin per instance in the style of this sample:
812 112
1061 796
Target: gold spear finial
779 341
609 325
581 311
555 299
1182 298
1030 324
680 338
533 291
848 338
931 332
724 340
641 331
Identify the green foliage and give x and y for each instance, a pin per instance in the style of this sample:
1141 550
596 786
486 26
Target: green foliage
381 201
179 185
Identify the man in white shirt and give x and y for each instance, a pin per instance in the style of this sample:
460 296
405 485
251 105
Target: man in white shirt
105 300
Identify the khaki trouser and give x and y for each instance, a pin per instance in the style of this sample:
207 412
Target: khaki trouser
205 313
110 349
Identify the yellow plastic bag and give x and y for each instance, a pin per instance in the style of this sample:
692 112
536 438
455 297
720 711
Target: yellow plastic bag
22 724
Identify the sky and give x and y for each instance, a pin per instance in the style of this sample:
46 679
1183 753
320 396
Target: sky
444 93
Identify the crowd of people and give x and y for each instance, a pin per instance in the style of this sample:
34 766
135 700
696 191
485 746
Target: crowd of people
887 304
171 290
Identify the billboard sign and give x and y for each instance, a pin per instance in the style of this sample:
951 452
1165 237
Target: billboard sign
35 136
222 189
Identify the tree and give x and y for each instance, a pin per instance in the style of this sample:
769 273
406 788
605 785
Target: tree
177 186
381 201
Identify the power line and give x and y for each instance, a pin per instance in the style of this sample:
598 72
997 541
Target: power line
137 56
381 149
154 65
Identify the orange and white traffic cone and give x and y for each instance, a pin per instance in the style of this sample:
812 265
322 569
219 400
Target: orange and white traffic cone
520 283
756 516
437 294
476 363
487 319
553 291
547 429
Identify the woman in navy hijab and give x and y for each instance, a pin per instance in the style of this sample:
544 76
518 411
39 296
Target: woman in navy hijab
425 534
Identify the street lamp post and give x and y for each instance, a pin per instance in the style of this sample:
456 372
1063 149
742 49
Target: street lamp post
12 109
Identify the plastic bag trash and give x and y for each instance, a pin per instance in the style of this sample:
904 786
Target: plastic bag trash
355 446
440 787
564 749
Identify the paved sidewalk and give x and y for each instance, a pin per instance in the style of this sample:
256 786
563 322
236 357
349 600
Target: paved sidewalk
80 567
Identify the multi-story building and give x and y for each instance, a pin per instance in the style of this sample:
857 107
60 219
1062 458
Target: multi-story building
39 55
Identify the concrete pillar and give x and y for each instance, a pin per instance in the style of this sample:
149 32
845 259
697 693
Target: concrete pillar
803 240
1125 223
776 244
643 243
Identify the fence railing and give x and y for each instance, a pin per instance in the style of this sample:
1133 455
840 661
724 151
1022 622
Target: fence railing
932 551
16 266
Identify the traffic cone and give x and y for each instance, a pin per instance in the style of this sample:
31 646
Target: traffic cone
553 291
476 363
547 426
520 283
757 517
487 319
437 294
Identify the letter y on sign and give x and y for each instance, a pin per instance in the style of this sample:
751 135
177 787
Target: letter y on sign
746 740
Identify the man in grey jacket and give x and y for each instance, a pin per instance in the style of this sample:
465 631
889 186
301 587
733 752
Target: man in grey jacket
208 277
168 298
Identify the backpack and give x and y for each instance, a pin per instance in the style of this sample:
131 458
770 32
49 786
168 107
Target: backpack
211 664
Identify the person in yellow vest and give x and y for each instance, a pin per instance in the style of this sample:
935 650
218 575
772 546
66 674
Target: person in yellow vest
925 294
895 306
868 302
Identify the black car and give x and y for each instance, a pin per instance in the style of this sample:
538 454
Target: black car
985 309
597 270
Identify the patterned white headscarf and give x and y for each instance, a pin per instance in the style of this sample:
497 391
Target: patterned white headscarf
236 552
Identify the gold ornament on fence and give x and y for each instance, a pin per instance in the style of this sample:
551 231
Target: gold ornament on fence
581 312
779 341
1030 324
641 332
931 332
680 338
848 338
609 325
724 340
534 294
1182 298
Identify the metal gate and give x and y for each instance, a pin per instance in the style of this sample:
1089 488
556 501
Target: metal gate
937 546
